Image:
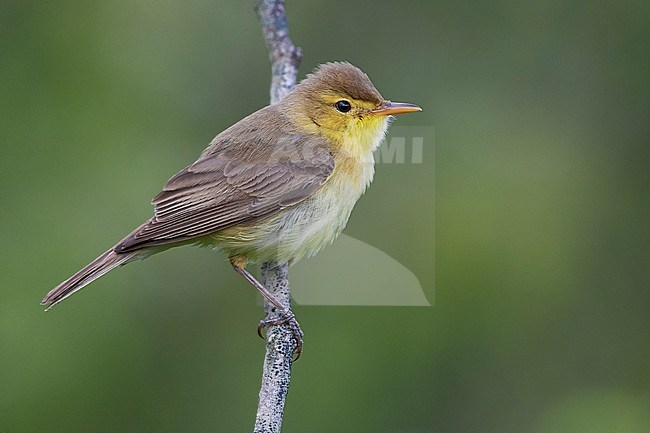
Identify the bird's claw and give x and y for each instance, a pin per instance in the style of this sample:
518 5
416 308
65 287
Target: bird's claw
289 319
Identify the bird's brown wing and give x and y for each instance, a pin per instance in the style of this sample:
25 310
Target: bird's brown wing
242 177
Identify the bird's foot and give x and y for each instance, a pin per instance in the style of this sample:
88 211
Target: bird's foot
286 318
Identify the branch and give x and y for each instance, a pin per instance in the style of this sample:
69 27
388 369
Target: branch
283 54
276 375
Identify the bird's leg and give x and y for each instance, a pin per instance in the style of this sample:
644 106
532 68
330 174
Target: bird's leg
286 316
240 267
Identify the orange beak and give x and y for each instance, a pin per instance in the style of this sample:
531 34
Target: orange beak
388 108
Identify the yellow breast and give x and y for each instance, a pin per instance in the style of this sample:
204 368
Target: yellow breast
307 227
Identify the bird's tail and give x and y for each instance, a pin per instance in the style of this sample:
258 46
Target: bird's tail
98 267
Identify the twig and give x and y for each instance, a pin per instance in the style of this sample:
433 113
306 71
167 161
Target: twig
284 55
276 375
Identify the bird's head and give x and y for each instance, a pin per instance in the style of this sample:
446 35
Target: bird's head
339 102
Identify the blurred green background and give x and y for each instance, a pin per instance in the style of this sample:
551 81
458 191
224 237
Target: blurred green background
540 322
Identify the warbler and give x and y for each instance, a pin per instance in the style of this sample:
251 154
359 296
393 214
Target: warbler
278 185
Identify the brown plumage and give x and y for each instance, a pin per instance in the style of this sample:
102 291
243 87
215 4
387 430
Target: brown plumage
278 185
237 180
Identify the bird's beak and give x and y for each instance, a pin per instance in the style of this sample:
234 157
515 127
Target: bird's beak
388 108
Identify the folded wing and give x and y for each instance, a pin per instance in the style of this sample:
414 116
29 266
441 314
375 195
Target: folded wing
242 177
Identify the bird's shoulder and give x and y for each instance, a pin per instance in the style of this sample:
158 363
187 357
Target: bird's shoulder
268 135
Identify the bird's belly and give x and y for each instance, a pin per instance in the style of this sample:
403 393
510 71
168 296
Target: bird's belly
300 230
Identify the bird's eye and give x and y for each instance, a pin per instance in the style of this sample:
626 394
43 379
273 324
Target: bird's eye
343 106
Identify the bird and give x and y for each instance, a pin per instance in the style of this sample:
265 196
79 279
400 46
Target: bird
279 185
